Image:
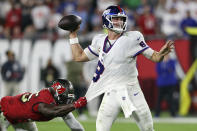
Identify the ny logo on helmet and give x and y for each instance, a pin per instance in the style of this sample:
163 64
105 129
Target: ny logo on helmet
112 12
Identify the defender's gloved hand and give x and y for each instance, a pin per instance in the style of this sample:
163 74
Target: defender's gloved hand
81 102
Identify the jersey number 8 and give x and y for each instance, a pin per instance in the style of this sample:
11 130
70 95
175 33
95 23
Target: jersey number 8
99 70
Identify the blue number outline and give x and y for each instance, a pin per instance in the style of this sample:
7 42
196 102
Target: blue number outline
99 71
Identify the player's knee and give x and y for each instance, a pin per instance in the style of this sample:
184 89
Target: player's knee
76 127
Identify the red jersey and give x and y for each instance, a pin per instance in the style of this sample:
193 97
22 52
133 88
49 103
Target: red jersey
24 107
147 24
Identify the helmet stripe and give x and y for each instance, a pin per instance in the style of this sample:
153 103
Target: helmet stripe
58 87
119 9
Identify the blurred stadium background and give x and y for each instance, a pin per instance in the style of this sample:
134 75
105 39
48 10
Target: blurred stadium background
29 29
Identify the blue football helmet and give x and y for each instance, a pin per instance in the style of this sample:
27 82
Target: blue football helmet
114 11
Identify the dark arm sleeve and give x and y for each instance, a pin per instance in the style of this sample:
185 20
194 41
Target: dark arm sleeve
3 72
20 72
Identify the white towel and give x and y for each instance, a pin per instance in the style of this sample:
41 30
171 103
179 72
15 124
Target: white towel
125 102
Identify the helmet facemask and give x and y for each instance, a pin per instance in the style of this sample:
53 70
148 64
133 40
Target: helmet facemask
118 26
65 98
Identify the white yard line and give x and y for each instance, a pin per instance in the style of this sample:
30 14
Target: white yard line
164 120
178 120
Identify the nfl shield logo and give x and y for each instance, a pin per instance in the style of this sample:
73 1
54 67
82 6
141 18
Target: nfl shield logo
123 98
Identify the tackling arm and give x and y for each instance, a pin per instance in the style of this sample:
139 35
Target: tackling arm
55 111
166 49
77 51
52 111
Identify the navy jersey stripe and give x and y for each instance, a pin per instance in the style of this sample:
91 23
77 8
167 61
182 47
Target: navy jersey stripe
139 52
92 52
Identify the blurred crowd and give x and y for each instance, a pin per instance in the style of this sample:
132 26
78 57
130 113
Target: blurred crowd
39 18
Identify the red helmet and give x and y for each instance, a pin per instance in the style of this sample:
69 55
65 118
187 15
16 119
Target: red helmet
63 91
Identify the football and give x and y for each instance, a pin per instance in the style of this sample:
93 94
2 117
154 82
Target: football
70 22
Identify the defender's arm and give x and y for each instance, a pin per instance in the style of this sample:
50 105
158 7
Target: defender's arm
55 111
60 110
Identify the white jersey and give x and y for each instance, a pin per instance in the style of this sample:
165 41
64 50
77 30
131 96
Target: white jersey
117 63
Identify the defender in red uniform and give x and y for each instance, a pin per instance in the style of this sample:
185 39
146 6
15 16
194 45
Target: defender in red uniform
55 101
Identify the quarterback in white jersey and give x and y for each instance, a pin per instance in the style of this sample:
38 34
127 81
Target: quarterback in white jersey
116 73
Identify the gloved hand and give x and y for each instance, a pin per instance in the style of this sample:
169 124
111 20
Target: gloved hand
81 102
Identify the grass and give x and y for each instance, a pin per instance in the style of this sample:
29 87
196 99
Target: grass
117 126
90 125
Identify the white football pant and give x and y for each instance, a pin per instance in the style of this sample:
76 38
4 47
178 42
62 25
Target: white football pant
111 105
72 122
26 126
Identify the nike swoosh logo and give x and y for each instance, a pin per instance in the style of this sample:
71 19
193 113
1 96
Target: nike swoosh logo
135 94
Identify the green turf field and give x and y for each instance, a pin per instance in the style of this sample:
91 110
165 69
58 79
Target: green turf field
90 126
164 123
117 126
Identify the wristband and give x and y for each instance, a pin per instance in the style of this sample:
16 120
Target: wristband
74 41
